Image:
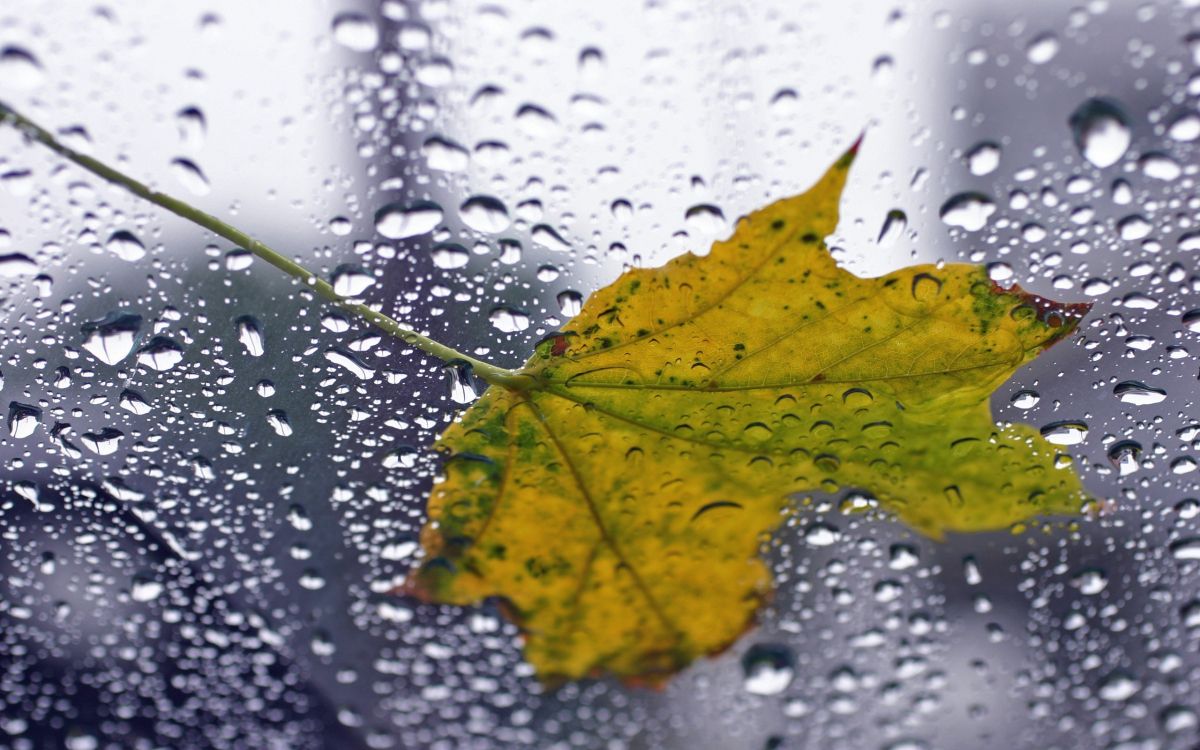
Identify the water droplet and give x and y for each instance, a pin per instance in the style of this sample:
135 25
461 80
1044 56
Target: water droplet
1118 686
278 420
462 383
134 402
449 256
445 155
1159 166
1125 455
1090 581
160 353
705 219
396 221
23 419
125 245
969 211
16 264
983 158
1069 432
549 239
570 303
113 337
893 228
192 127
145 589
822 534
535 121
1187 548
350 363
404 457
355 31
250 335
351 281
509 319
1042 48
1138 394
768 669
1025 399
190 176
1134 227
19 69
1191 320
484 214
1101 131
1185 127
103 443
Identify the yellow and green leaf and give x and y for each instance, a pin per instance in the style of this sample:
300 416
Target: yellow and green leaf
617 496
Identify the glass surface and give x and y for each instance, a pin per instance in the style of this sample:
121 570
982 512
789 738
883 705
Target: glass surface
200 540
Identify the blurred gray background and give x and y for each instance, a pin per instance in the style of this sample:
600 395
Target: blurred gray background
214 583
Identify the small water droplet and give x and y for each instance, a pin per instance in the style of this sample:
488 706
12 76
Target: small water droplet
1025 399
192 127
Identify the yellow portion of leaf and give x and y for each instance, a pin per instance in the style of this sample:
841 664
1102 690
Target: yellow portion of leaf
618 504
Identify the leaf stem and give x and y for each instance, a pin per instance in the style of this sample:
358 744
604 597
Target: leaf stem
484 370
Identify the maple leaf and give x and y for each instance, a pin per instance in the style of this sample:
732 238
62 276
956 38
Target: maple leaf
616 502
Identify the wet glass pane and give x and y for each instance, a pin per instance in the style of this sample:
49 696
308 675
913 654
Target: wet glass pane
214 480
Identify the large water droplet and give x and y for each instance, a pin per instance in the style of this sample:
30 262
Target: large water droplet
160 353
16 264
768 669
983 158
19 69
969 211
113 337
1071 432
250 334
484 213
396 221
462 383
125 245
355 31
445 155
23 419
190 176
351 281
1138 394
1101 131
104 442
509 319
